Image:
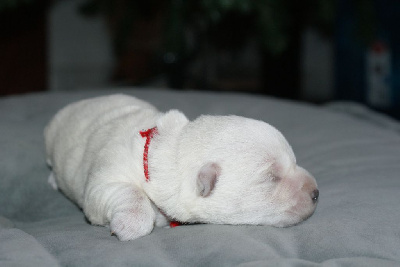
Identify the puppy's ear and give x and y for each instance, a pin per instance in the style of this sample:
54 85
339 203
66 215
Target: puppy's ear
172 121
207 178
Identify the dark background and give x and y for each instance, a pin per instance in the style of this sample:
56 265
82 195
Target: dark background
313 50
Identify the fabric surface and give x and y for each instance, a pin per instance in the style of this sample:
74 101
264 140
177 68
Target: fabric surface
355 159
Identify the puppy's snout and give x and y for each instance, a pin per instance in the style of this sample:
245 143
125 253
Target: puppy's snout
315 196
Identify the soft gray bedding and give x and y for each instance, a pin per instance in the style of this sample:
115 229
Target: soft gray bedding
353 153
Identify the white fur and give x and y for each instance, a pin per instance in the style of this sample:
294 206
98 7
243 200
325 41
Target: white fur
215 169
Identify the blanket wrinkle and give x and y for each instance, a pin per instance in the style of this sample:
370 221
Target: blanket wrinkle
21 249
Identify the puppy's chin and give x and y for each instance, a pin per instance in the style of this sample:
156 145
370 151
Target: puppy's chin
296 214
291 219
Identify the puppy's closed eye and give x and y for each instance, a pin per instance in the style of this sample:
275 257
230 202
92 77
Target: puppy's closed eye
274 178
269 177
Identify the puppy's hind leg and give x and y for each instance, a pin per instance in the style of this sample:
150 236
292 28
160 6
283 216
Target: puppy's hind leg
133 220
129 211
52 181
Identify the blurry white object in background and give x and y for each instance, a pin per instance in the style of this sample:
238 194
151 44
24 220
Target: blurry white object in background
378 75
80 53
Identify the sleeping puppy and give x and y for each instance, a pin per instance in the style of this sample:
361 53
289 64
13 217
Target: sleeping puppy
131 167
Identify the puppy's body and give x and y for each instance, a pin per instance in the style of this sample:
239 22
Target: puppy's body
216 169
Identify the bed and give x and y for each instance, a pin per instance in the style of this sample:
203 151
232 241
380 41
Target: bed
353 152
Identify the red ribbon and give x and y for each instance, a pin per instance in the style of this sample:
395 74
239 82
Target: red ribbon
174 224
149 135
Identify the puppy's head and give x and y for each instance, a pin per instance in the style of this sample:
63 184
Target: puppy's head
241 171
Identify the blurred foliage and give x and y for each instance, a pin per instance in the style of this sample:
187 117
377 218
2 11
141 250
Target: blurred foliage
228 22
122 14
273 21
366 20
13 4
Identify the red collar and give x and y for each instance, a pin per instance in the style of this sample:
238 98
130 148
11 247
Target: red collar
149 134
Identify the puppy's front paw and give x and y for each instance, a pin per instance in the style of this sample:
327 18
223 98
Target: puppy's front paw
129 225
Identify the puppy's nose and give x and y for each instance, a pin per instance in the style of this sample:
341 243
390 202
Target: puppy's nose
315 195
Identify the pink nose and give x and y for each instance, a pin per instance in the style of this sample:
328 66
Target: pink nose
315 195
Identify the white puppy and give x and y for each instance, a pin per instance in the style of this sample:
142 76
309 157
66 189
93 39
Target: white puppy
131 167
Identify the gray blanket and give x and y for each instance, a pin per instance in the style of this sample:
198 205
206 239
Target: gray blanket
353 153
